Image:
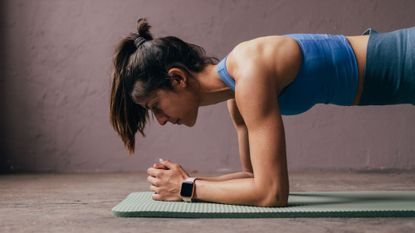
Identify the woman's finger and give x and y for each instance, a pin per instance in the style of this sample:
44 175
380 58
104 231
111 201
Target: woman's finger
154 172
153 181
169 164
154 188
156 197
160 166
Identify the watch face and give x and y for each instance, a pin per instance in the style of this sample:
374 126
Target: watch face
186 190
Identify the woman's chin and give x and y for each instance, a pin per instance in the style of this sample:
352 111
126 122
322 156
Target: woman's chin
192 123
188 124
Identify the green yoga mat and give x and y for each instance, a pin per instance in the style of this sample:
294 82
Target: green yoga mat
300 204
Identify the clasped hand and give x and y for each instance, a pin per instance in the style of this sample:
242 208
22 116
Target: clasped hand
166 179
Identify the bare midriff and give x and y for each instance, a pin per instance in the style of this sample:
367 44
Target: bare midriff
359 45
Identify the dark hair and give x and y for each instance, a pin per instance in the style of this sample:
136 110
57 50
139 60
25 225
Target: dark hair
143 68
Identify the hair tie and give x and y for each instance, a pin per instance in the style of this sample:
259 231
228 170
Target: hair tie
139 41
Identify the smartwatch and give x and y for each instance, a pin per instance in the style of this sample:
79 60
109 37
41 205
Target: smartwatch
188 189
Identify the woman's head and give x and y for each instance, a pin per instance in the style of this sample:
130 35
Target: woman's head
156 73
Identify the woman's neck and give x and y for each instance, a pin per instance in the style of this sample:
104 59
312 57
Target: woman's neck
212 90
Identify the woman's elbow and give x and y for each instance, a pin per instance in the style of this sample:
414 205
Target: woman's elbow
279 199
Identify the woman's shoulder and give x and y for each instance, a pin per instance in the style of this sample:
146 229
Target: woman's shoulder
274 57
250 54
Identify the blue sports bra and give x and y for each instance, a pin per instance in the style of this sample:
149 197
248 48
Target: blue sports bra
328 74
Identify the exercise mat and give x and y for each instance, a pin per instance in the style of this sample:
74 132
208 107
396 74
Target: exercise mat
300 204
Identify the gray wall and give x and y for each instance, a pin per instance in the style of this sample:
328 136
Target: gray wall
56 61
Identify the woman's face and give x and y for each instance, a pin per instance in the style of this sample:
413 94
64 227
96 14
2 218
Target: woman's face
178 106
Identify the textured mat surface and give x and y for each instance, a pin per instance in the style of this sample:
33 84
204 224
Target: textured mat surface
301 204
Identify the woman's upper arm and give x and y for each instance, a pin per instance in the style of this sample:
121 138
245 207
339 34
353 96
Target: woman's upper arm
256 98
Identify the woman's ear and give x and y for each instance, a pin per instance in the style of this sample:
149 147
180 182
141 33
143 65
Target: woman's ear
177 77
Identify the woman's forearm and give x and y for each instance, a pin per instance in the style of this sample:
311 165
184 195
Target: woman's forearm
230 176
236 191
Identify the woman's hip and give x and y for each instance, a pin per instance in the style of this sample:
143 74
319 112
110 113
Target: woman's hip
390 68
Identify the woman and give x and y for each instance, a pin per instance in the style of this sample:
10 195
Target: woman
260 79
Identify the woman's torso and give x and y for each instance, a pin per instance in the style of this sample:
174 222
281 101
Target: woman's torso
283 56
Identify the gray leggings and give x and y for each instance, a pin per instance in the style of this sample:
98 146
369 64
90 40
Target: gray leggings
390 68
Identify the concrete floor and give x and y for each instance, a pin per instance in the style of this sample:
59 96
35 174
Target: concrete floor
83 202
